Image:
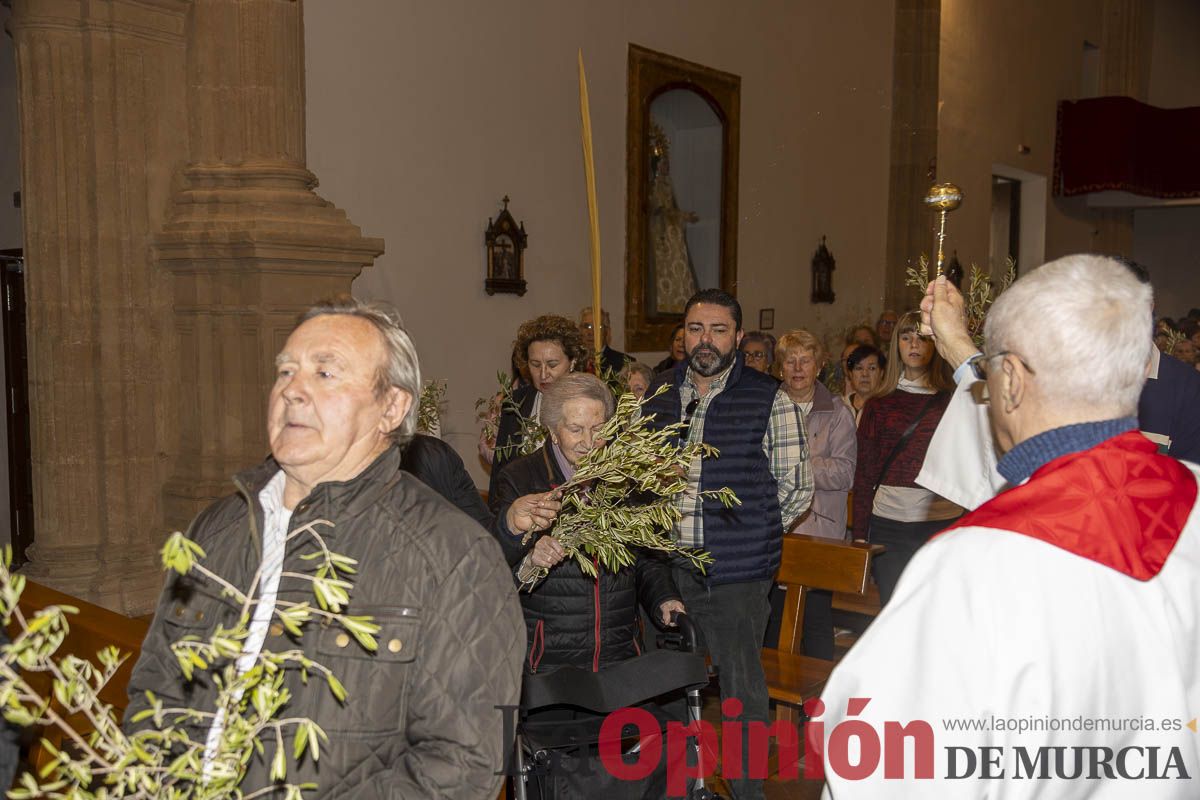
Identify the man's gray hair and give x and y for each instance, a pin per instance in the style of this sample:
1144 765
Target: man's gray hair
573 386
1081 323
604 318
400 369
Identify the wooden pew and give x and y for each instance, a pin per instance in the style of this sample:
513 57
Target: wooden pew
809 562
91 630
866 602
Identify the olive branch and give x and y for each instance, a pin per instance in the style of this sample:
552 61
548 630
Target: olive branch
617 380
161 760
530 433
1173 337
981 291
623 494
429 407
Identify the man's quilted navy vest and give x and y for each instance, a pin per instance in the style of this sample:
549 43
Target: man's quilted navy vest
745 541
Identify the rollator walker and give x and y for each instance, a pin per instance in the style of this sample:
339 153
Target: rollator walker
563 710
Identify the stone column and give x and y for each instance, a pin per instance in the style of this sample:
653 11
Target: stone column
102 121
914 143
248 240
172 234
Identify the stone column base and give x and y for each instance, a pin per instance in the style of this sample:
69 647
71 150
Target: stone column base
127 582
250 246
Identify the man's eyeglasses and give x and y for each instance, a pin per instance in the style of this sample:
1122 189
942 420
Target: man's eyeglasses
979 363
752 356
587 326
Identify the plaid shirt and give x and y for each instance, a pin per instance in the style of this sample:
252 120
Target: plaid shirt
785 444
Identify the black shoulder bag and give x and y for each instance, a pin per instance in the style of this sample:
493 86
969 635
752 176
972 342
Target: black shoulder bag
904 437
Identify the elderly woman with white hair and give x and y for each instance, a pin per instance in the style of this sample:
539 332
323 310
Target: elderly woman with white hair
833 450
759 350
572 618
639 377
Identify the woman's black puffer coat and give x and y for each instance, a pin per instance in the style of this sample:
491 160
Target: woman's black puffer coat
572 618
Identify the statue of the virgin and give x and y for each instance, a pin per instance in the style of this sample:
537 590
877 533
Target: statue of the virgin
675 278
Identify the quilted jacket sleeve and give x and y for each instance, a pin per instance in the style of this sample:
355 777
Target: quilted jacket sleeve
457 729
655 585
508 488
156 669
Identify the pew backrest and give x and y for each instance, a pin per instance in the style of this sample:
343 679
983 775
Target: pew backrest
90 631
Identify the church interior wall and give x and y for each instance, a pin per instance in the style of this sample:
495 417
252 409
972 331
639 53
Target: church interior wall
1004 66
422 116
1167 240
1175 59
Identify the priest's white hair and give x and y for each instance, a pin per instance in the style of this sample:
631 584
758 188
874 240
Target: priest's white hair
1083 323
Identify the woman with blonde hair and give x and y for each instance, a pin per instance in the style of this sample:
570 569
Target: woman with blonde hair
832 451
893 435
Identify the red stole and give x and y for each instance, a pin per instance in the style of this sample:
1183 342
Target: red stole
1120 504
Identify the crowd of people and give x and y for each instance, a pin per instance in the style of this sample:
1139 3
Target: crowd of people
887 444
1180 338
865 423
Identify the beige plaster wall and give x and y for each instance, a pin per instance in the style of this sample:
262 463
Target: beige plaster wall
1167 240
1005 64
1175 60
421 116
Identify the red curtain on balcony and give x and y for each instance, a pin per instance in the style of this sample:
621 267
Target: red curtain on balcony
1119 143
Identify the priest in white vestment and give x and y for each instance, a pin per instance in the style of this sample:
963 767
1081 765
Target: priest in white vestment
1046 646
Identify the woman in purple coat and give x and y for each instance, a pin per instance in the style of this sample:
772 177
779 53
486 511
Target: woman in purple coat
832 450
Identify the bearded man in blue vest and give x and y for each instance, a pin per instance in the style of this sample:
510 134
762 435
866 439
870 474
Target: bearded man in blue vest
763 457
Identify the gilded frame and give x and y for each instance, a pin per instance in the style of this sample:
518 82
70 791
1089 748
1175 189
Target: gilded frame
650 74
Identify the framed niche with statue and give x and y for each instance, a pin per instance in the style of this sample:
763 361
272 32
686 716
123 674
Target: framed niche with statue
505 241
681 161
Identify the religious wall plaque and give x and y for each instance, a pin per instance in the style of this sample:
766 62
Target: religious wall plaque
823 265
505 241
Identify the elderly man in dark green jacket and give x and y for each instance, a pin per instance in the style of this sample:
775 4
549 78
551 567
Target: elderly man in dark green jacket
420 718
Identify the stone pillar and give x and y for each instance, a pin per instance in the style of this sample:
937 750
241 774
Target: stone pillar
914 143
172 234
248 240
102 123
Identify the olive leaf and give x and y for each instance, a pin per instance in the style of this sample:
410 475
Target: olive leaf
162 760
981 291
623 495
430 405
